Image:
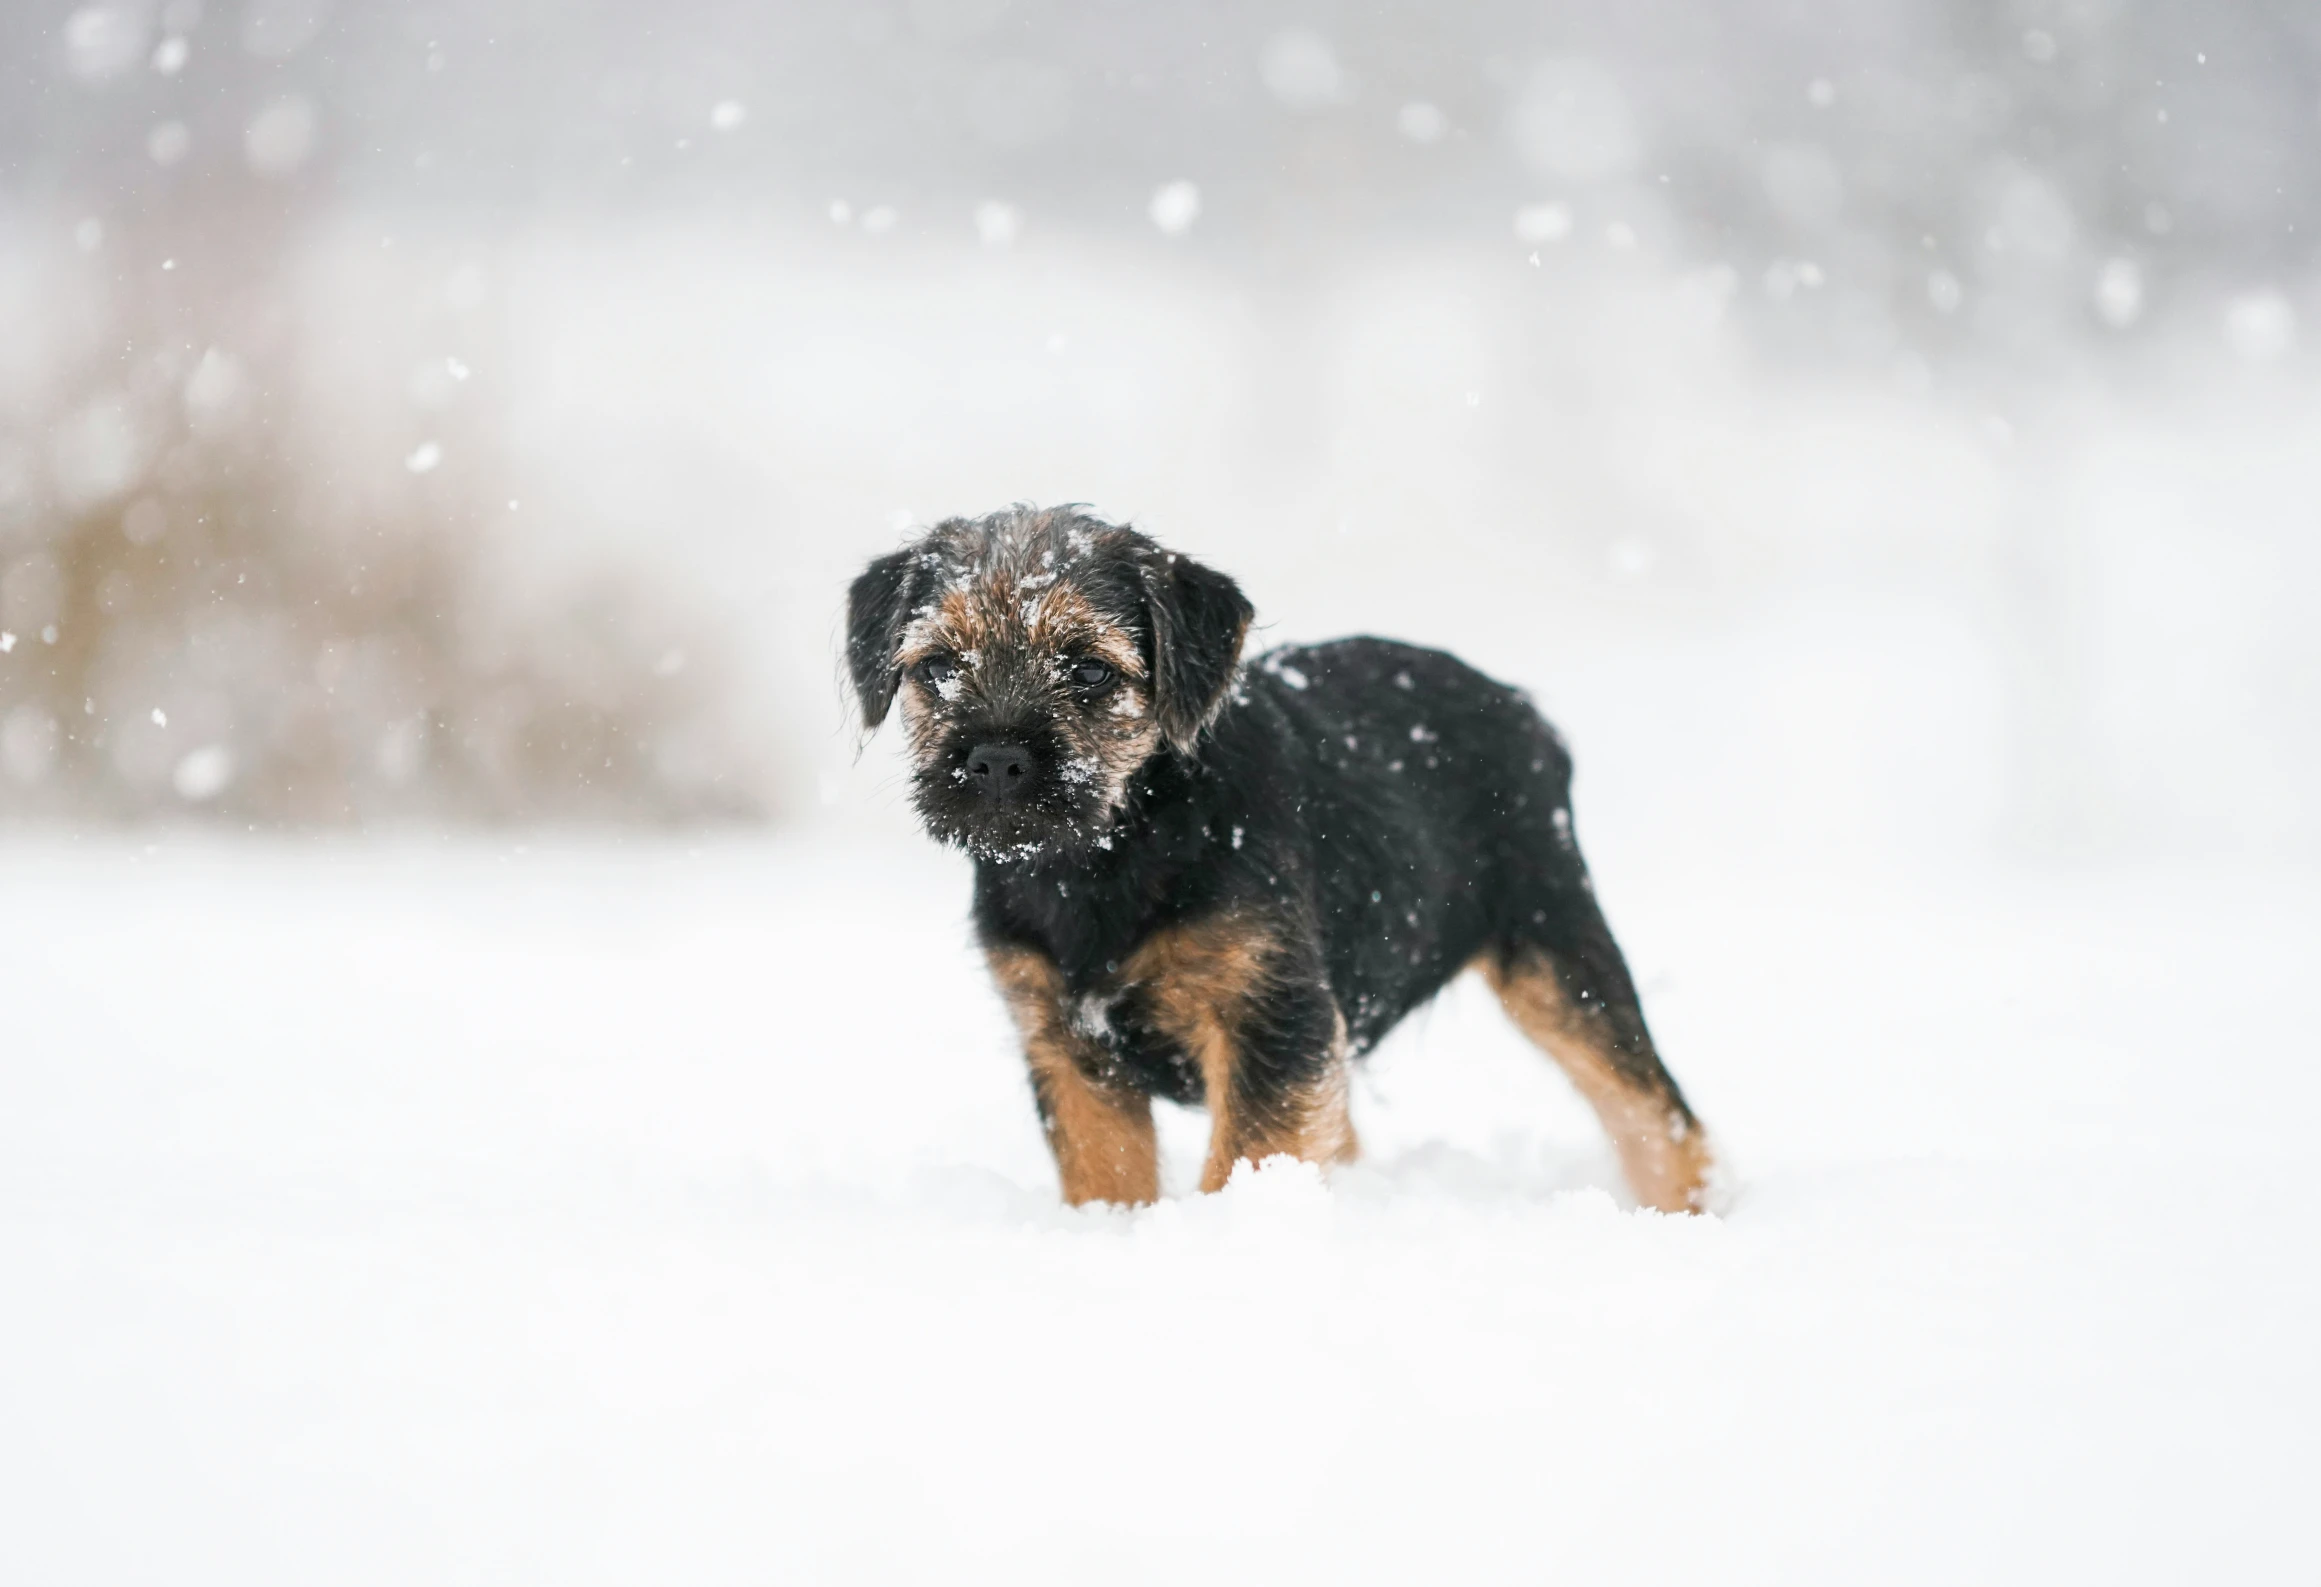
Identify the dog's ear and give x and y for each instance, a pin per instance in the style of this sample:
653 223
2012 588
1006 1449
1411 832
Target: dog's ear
877 608
1199 617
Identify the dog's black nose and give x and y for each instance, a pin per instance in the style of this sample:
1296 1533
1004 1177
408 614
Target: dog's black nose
1000 771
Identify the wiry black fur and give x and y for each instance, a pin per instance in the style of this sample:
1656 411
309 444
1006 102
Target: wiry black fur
1391 812
876 607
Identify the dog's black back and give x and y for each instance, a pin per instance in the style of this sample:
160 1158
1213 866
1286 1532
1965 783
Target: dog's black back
1431 802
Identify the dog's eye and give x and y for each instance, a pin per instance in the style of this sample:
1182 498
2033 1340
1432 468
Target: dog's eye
936 671
1089 674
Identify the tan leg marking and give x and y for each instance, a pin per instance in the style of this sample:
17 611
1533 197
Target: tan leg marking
1667 1158
1200 981
1102 1135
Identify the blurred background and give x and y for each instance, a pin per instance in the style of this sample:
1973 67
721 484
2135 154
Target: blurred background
1880 431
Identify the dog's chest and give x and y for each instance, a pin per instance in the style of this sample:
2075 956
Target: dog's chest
1115 1017
1095 1014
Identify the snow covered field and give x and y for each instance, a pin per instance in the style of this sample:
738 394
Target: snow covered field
431 1213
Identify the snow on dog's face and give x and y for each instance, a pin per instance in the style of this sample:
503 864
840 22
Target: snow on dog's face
1041 659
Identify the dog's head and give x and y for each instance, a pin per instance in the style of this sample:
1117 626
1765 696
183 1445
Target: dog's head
1041 658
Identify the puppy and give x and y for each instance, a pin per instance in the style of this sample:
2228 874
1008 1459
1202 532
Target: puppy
1220 881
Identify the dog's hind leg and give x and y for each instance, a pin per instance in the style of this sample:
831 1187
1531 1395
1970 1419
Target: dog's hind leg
1564 983
1101 1133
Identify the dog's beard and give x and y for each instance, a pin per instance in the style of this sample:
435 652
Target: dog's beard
1074 810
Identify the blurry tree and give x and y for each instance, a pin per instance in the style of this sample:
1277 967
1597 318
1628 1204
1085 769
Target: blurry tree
207 601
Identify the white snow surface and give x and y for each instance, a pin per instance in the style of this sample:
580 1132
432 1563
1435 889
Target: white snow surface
447 1214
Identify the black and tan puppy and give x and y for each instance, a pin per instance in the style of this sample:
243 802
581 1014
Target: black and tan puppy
1222 882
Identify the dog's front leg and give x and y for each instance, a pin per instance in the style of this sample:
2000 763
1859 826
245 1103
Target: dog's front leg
1275 1070
1243 996
1101 1133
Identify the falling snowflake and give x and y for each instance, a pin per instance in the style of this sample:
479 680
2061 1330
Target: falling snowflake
998 225
1174 207
203 773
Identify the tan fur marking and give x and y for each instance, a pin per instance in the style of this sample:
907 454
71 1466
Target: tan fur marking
996 612
1063 621
1102 1137
1668 1161
1111 643
1058 616
1199 980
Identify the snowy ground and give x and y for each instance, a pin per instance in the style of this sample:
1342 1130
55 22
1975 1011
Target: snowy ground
439 1214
